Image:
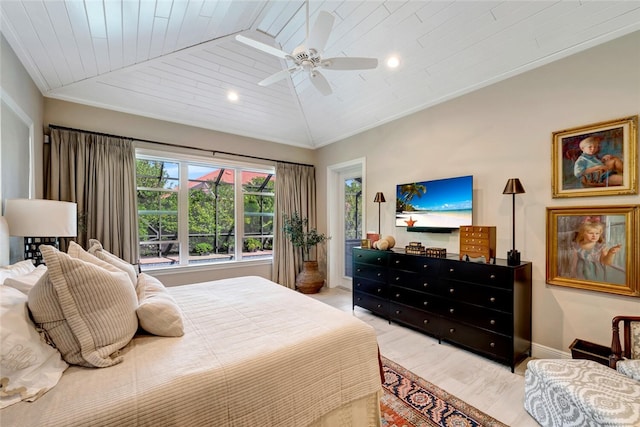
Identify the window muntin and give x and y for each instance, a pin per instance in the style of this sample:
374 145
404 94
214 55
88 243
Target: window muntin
201 214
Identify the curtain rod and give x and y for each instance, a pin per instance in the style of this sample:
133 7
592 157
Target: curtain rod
213 152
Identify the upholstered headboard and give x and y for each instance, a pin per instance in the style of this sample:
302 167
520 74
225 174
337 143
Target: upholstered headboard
4 242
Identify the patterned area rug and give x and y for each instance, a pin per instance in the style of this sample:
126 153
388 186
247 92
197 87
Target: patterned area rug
410 401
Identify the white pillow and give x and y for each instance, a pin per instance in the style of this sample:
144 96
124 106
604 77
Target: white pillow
28 366
25 282
629 367
96 249
88 311
17 269
158 312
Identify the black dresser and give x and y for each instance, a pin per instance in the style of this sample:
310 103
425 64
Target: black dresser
484 308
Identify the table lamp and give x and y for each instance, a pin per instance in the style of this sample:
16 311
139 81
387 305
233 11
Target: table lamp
513 187
379 199
40 222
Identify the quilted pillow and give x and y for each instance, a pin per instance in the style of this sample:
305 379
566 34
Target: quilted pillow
17 269
88 311
25 282
629 367
96 249
28 366
76 251
158 312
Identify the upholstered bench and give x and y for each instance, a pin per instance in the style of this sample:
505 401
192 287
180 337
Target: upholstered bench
580 393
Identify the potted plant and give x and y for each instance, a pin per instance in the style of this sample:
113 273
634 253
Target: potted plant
296 228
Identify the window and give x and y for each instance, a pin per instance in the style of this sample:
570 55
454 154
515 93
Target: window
193 212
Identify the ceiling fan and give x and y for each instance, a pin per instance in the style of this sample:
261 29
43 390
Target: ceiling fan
308 56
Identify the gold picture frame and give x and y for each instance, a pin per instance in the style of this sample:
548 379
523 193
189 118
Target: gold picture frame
596 160
594 248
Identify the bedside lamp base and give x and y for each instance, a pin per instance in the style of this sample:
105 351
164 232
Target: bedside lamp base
513 257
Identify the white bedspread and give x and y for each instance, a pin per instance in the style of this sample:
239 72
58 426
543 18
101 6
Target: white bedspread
254 354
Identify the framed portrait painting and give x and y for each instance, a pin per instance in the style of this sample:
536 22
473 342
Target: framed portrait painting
595 248
596 160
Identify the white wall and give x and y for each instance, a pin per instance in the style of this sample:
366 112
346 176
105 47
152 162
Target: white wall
496 133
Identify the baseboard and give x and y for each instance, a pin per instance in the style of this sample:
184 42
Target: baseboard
539 351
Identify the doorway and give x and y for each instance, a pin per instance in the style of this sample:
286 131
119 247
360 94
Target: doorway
346 214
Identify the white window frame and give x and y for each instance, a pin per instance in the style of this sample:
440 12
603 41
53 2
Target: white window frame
183 199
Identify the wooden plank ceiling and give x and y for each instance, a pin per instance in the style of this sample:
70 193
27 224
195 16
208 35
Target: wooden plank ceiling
177 60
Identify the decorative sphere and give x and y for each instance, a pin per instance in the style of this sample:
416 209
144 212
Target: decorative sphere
383 244
391 240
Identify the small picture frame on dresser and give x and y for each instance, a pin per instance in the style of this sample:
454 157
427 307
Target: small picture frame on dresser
365 244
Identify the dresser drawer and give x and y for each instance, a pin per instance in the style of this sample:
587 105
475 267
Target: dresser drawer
492 320
371 272
371 303
370 256
423 320
492 275
483 296
372 287
408 279
476 232
422 265
419 300
492 344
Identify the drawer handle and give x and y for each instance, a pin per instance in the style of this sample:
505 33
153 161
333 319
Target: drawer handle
397 279
359 270
425 266
425 284
379 274
397 261
379 306
359 256
425 303
379 290
492 344
452 330
425 321
493 276
397 295
451 290
493 322
451 310
492 299
358 285
379 259
451 270
398 312
359 299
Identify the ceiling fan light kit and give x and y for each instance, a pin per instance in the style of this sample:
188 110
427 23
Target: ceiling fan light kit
308 57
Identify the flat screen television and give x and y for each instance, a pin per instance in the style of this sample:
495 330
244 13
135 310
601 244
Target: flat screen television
440 205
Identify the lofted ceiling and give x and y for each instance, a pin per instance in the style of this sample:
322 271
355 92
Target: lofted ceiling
176 60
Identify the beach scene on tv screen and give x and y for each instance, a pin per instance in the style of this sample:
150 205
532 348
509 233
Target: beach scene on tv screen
441 203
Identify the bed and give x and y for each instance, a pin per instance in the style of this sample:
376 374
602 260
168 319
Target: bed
253 353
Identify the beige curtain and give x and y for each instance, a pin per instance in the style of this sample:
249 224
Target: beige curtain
98 173
295 192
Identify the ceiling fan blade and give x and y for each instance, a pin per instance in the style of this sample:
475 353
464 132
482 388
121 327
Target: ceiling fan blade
320 82
349 63
320 32
262 46
280 75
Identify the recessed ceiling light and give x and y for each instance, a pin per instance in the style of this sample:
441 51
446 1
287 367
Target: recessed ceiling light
232 96
393 62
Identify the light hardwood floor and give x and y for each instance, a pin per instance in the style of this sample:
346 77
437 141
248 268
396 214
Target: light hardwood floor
489 386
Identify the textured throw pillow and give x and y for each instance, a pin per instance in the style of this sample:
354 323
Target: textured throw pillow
158 312
96 249
28 366
87 311
17 269
76 251
25 282
630 368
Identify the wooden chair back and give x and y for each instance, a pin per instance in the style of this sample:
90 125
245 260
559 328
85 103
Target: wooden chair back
630 338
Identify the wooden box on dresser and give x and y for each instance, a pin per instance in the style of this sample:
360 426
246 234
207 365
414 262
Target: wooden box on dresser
485 308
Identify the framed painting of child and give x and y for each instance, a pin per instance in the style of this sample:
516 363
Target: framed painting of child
596 160
595 248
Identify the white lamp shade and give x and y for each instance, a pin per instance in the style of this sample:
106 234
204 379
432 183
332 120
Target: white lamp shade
41 218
